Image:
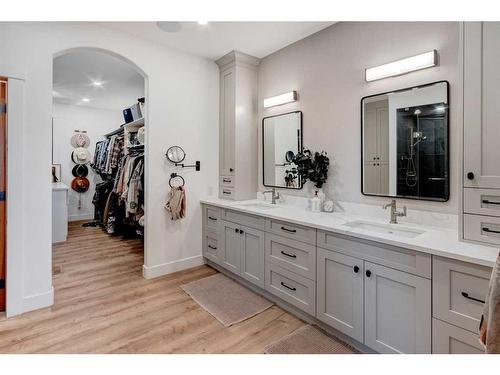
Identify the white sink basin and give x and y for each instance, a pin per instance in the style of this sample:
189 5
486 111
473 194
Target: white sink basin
393 229
258 205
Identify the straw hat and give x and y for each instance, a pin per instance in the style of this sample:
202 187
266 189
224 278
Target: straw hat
80 155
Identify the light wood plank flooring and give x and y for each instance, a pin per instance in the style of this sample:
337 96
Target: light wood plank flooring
104 305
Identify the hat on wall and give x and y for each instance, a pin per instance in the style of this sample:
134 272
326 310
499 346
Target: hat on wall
80 184
80 170
80 155
80 140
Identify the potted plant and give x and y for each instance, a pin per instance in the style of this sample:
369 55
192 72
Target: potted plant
313 167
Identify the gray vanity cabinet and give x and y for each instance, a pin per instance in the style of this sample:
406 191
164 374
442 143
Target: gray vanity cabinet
231 247
340 292
397 311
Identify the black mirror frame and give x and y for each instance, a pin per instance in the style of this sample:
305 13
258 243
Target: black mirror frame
300 142
447 189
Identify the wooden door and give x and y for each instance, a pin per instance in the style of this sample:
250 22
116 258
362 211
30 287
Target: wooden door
3 187
340 292
252 255
397 311
481 109
231 247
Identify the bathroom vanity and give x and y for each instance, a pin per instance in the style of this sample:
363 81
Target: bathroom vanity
390 288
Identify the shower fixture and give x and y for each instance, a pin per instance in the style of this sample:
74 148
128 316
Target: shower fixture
415 138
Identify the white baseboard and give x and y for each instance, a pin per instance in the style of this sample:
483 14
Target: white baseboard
170 267
81 217
38 301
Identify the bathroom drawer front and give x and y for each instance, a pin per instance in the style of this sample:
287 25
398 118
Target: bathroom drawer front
292 288
482 228
296 232
210 247
226 193
482 201
226 181
211 218
451 278
410 261
252 221
450 339
292 255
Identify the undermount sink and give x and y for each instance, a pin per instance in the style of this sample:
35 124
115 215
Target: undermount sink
258 205
393 229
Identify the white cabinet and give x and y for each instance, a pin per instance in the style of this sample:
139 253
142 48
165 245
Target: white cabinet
397 311
340 292
238 125
59 212
450 339
481 84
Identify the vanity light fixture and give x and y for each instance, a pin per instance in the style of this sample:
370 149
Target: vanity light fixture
396 68
280 99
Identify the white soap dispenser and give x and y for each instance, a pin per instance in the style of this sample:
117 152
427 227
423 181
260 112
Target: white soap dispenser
316 203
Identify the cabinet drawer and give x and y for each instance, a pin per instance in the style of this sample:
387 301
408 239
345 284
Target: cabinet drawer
455 284
226 193
292 288
252 221
292 255
296 232
449 339
211 218
482 228
226 181
482 201
210 247
406 260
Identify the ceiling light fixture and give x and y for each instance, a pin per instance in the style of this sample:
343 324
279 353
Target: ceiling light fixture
202 23
396 68
86 100
97 83
280 99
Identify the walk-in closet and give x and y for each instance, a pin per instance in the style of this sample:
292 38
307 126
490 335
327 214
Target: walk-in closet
98 166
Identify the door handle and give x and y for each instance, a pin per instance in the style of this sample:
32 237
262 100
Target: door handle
288 255
470 176
466 295
491 230
288 287
356 269
368 273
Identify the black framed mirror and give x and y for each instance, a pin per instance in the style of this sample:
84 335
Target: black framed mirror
405 143
281 141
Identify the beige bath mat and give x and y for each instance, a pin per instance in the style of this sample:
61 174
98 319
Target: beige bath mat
309 340
225 299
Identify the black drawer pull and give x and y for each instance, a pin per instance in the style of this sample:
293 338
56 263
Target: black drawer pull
212 247
226 192
466 295
356 269
288 255
236 230
368 273
491 230
288 287
212 218
289 230
486 201
470 176
226 180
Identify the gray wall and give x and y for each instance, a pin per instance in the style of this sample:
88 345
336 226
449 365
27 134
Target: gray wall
327 69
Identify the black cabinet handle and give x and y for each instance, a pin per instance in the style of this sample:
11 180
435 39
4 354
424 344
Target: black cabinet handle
212 218
236 230
288 287
491 230
368 273
226 192
466 295
289 230
356 269
288 255
241 231
226 180
470 176
486 201
212 247
231 169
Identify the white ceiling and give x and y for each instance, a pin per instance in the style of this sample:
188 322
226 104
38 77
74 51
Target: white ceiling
75 71
215 39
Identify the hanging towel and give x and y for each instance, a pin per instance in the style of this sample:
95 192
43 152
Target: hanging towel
489 328
176 203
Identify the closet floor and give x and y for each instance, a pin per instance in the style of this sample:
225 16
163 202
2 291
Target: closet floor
104 305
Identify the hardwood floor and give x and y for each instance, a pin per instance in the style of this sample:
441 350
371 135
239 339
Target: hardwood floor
104 305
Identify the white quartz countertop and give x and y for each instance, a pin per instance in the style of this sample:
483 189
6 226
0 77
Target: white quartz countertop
435 240
59 186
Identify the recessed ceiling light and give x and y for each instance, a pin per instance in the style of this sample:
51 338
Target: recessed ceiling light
86 100
202 23
97 83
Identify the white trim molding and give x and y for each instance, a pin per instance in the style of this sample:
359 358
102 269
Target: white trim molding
38 301
171 267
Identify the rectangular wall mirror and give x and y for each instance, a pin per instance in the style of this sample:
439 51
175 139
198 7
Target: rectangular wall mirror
405 143
281 140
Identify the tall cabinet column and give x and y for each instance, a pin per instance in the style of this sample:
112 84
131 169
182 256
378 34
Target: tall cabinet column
238 138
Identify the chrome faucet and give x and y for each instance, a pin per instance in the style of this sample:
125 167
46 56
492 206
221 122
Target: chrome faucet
274 197
394 211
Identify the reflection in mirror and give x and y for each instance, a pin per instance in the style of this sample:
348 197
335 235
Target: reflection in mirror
281 140
176 154
405 143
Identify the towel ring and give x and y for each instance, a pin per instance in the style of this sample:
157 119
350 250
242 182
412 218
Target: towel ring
173 176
